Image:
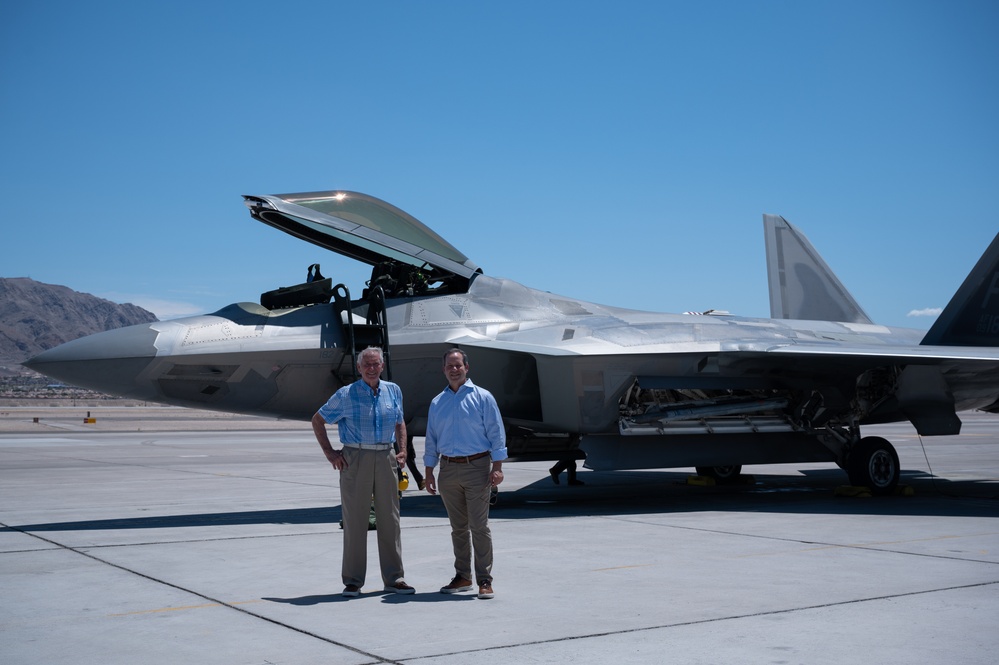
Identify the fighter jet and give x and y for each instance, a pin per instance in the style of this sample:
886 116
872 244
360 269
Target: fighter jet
620 388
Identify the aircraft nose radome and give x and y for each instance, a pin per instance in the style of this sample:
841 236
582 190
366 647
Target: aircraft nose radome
109 361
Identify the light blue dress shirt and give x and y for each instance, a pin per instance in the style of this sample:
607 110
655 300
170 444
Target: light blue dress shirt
464 423
363 415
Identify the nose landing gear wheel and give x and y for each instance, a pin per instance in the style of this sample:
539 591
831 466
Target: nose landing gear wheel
873 463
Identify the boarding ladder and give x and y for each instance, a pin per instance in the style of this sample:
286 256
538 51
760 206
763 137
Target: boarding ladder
359 336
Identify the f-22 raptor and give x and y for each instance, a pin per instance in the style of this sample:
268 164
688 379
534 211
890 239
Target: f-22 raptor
620 388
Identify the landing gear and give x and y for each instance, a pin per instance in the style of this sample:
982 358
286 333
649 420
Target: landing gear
873 463
721 474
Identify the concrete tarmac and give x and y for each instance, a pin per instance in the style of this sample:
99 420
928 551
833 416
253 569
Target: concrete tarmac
160 536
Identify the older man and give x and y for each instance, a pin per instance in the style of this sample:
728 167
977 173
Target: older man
370 421
465 434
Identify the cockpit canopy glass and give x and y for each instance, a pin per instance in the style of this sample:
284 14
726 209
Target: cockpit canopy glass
361 227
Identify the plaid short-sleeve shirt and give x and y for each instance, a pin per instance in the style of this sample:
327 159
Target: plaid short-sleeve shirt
364 415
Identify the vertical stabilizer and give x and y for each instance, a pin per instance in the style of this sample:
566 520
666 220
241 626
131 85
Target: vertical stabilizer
971 318
801 284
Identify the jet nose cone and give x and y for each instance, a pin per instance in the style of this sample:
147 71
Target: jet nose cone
110 362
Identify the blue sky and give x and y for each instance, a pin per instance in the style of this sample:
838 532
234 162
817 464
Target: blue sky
621 153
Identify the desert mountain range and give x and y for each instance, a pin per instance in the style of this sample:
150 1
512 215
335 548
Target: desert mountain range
35 316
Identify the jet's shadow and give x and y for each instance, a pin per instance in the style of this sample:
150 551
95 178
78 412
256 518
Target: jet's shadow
623 493
302 516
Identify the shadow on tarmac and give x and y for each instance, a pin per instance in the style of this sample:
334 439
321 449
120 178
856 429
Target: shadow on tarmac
387 597
626 493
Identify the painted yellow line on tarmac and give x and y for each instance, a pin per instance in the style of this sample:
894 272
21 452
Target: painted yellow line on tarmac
640 565
181 608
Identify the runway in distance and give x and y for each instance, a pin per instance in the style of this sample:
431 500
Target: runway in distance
626 388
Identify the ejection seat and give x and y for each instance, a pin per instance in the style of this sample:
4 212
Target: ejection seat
314 291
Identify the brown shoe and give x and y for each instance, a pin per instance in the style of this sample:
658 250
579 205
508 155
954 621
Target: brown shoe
400 587
486 589
457 585
351 591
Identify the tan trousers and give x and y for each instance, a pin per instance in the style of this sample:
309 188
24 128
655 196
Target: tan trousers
370 473
465 491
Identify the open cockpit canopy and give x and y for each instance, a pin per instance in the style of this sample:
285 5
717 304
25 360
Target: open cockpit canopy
369 230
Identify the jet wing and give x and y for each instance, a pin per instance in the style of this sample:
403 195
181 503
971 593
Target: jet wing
833 358
896 355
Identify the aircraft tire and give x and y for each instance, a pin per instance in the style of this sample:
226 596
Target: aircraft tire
873 463
721 474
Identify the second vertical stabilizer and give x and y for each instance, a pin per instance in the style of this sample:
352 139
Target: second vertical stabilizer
971 318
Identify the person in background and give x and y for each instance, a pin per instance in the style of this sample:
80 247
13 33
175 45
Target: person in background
414 469
567 464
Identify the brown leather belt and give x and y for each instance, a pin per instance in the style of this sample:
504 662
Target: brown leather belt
465 459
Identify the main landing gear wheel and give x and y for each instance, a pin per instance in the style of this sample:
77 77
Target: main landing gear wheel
721 474
873 463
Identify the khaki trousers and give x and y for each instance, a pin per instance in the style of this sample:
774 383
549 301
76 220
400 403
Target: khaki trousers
465 491
370 473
